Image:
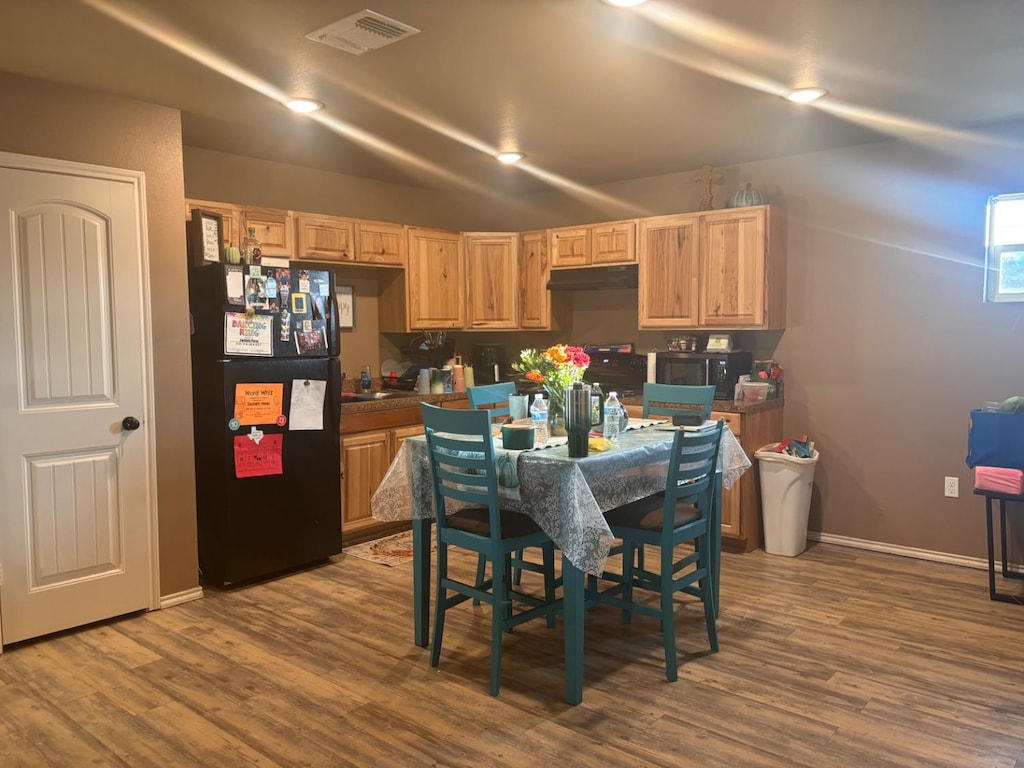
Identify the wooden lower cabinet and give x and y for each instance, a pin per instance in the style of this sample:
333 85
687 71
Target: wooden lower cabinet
741 504
365 458
370 440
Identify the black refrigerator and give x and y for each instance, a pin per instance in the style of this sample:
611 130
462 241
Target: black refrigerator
266 388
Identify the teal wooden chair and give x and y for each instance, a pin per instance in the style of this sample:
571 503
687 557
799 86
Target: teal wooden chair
676 395
673 398
678 517
494 398
463 472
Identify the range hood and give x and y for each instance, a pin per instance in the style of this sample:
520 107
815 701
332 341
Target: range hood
593 278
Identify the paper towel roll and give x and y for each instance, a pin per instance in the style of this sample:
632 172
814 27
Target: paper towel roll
652 367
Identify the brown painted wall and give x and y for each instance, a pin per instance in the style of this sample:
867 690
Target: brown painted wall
50 120
888 344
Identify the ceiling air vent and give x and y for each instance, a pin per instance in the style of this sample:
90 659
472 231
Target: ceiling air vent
362 32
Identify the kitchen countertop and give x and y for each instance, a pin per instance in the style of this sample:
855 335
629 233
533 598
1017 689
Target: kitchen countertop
414 399
727 406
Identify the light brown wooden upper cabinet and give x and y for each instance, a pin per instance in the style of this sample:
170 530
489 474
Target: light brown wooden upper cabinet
742 268
325 238
720 269
275 230
229 213
492 284
435 278
380 243
569 247
537 310
668 288
612 242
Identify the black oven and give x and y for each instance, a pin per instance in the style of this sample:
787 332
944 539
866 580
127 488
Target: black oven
699 369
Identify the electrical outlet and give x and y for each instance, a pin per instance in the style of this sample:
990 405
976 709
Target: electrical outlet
952 487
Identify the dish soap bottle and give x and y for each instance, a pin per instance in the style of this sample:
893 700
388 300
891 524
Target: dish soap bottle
364 378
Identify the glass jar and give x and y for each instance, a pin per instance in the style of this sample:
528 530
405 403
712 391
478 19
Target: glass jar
251 248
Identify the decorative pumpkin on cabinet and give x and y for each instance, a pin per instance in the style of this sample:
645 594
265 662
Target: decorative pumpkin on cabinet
746 196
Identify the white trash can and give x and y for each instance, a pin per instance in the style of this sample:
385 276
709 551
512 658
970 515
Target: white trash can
785 499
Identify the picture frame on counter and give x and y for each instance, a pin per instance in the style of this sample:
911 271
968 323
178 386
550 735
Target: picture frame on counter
346 296
205 236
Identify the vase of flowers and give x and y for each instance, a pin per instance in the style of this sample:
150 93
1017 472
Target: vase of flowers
554 368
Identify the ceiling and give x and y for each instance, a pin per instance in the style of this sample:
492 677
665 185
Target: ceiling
591 93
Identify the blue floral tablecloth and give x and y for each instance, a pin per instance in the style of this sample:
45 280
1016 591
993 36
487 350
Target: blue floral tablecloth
566 497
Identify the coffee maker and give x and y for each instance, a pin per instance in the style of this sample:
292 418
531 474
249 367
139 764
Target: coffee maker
488 363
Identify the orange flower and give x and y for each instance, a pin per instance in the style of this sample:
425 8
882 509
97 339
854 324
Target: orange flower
535 376
557 353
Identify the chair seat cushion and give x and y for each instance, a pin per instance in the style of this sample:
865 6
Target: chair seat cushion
645 514
476 520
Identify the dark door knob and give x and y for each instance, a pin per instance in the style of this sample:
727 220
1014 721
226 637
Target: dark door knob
130 423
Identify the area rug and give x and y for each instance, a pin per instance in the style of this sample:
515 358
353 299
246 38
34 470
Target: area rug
391 550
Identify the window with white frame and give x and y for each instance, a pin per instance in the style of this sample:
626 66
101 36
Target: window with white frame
1004 248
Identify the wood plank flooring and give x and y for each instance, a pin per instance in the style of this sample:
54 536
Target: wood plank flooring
838 657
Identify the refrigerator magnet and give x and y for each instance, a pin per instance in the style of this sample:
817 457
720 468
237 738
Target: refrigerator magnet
234 424
299 304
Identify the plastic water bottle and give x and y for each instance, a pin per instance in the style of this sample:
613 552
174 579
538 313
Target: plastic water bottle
539 419
612 416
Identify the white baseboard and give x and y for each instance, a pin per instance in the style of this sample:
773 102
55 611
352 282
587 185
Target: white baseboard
896 549
167 601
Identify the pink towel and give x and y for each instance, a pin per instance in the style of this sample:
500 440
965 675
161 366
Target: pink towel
1000 480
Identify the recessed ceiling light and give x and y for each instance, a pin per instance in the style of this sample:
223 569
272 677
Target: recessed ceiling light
509 158
805 95
305 106
625 3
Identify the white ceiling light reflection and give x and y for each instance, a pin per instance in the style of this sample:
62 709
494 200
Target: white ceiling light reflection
304 106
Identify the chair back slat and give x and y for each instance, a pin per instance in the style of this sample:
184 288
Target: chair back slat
461 453
676 395
493 397
692 465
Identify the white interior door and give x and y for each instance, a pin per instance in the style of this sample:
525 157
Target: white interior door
76 523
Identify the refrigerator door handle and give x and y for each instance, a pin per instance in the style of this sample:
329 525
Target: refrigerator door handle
334 397
333 346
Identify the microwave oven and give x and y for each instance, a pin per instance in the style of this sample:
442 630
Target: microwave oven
700 369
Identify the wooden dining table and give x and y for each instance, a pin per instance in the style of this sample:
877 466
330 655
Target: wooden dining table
567 498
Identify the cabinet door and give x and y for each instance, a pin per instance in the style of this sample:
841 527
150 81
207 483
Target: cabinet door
534 271
365 458
569 247
229 213
491 279
435 275
274 230
325 238
732 518
399 434
668 289
380 243
614 243
732 268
